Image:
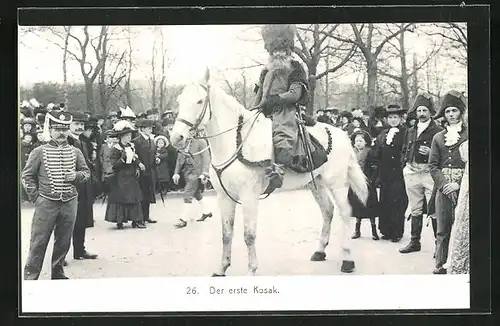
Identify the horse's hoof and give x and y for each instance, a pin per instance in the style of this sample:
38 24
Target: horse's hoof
347 266
318 256
217 275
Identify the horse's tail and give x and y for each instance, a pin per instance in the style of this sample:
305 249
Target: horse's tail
357 178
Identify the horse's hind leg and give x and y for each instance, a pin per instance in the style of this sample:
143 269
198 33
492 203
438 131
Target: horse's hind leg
340 197
227 210
326 207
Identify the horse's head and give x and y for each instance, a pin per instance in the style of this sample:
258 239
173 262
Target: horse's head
194 110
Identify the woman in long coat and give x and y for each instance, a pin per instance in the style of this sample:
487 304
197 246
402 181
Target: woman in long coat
124 198
387 157
362 141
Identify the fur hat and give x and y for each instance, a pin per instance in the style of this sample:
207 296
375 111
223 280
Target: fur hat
278 37
451 98
56 119
394 108
366 137
423 99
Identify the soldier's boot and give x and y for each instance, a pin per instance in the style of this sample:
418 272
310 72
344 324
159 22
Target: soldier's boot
374 229
357 230
416 231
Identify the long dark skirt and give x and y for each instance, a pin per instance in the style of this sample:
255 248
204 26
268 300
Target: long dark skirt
371 209
393 204
123 213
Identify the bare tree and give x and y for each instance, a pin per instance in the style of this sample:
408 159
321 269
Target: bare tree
128 95
164 66
455 39
67 30
366 42
315 45
153 73
405 74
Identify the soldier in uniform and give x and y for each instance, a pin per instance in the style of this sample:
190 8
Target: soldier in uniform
415 162
447 169
49 178
195 172
86 196
282 86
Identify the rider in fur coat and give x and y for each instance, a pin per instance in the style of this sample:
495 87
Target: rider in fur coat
282 86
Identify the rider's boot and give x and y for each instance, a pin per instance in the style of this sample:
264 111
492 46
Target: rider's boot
275 173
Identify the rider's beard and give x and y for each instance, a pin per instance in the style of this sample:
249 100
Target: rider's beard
278 61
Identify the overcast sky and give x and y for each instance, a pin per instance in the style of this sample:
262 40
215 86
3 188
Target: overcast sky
191 48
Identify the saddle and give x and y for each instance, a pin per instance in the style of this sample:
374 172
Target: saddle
257 149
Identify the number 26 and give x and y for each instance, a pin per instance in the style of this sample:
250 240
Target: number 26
191 290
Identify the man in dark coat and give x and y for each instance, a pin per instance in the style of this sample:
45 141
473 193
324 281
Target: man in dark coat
283 85
85 210
50 178
146 150
447 169
415 163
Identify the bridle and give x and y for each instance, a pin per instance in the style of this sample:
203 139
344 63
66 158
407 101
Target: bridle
195 126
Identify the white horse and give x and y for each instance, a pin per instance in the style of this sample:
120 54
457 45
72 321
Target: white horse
203 104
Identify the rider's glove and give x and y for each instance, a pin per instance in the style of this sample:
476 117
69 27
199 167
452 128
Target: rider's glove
271 103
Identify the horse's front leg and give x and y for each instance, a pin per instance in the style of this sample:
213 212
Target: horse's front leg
250 209
326 206
227 210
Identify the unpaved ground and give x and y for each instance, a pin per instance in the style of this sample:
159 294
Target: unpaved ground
288 230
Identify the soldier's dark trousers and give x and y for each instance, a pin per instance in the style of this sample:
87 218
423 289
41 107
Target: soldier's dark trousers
49 216
445 215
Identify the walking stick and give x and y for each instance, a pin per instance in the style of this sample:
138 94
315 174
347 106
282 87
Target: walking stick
306 147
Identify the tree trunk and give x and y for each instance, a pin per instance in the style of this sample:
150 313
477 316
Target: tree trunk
327 91
372 87
405 90
128 94
415 76
89 90
65 71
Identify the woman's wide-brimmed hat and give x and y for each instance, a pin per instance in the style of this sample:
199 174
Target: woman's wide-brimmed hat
122 127
394 109
365 134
